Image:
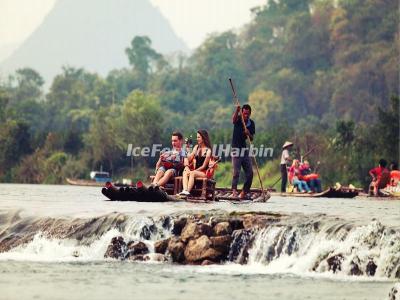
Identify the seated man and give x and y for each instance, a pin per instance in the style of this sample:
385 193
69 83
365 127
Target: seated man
380 177
311 178
170 162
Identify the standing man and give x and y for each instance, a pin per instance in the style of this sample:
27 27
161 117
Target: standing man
240 153
285 159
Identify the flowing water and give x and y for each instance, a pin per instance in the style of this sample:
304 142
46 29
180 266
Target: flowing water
53 240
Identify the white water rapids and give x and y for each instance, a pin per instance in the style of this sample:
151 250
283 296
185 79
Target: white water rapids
66 226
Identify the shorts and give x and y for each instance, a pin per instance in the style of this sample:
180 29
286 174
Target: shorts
162 168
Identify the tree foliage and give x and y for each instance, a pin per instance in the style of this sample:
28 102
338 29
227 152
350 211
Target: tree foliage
321 73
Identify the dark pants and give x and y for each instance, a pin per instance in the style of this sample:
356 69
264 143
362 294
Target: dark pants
237 163
284 178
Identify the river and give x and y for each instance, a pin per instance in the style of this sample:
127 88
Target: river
46 267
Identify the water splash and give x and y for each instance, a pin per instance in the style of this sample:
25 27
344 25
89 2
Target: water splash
335 247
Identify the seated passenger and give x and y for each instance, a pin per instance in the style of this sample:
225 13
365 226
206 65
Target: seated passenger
380 177
170 162
200 157
394 174
311 178
294 178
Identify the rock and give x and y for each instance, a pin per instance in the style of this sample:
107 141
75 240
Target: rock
176 248
148 257
189 231
207 262
371 268
236 224
221 243
215 220
254 221
139 257
116 249
135 248
166 224
178 226
242 241
200 249
194 231
394 293
147 231
355 269
161 246
222 228
205 229
258 221
157 257
335 262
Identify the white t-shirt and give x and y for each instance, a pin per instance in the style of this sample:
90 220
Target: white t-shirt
285 156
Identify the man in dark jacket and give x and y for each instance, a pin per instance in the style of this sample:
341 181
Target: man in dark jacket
240 152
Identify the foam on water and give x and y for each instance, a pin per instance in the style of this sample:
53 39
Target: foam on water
298 246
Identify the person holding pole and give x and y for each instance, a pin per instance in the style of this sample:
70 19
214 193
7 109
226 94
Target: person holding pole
240 154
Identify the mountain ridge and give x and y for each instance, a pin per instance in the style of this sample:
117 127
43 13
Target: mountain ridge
92 34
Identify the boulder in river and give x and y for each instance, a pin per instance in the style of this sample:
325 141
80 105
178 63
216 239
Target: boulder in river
201 249
178 226
222 228
176 249
193 230
135 248
116 249
221 243
161 246
335 262
371 268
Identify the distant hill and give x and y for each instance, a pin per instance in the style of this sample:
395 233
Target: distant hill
92 34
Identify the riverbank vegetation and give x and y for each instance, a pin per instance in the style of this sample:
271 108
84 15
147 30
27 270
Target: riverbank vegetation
323 74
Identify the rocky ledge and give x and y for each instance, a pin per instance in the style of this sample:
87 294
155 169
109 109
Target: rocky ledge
203 240
198 239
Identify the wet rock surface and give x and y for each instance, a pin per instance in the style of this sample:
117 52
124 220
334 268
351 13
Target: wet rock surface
214 237
176 248
161 246
135 248
394 293
116 249
335 263
371 268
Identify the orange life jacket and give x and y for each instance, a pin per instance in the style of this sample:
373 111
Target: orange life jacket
309 177
394 177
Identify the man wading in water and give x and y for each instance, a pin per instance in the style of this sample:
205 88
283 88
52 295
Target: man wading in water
240 153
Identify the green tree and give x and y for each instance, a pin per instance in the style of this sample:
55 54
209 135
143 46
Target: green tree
386 130
103 139
14 143
144 59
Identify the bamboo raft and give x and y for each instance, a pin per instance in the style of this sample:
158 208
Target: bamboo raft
210 194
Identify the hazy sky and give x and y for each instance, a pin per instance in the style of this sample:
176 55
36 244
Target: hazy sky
192 20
